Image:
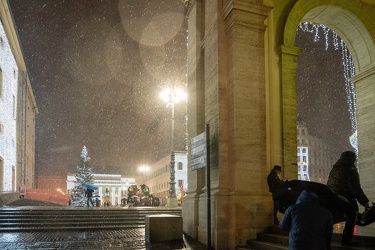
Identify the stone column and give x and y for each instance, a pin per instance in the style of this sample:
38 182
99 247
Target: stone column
119 193
289 104
101 193
113 196
196 110
365 93
236 110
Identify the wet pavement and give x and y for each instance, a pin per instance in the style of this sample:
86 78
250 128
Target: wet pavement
129 239
95 239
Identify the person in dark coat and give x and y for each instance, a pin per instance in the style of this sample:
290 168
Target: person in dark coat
309 224
344 181
88 194
274 183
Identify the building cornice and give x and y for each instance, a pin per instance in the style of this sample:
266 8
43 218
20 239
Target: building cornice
15 45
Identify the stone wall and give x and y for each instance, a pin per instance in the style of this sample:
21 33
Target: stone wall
242 82
6 198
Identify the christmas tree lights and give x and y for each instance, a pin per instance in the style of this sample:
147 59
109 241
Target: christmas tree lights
349 69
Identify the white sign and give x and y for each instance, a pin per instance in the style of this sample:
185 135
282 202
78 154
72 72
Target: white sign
198 151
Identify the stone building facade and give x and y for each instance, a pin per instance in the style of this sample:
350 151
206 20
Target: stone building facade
315 156
242 82
51 183
112 188
159 176
18 110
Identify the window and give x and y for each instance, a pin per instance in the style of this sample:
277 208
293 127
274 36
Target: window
13 178
180 183
14 107
180 166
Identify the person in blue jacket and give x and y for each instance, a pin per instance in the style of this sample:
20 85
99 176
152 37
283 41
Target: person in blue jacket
309 224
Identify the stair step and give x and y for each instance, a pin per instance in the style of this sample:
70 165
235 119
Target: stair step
71 223
70 218
262 245
83 227
275 239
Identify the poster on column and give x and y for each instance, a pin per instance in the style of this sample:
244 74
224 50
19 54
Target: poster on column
198 152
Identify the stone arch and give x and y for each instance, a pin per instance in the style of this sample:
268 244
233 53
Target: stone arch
353 22
350 26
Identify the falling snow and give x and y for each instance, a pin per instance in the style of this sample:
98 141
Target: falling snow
325 96
97 68
8 110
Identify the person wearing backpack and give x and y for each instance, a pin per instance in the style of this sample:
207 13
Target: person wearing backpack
344 181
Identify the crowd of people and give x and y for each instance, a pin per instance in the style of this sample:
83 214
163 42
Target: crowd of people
309 223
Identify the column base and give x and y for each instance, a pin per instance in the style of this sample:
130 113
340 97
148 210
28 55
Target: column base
172 202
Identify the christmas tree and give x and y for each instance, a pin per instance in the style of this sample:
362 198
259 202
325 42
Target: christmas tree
83 176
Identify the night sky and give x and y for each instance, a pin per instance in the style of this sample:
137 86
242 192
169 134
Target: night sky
321 94
97 68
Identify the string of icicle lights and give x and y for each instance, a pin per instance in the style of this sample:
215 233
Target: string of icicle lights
332 39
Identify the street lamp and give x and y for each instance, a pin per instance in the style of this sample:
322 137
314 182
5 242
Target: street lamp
144 169
172 96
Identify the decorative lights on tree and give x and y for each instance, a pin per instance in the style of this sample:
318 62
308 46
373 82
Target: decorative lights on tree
83 176
349 70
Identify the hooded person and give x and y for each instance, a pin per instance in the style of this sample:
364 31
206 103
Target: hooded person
309 224
344 181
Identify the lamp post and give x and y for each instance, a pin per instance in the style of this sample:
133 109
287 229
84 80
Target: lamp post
172 96
144 169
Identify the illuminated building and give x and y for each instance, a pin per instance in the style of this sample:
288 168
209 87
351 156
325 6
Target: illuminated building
111 187
17 111
158 177
315 156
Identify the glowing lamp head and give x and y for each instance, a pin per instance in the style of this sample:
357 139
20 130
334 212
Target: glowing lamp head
172 96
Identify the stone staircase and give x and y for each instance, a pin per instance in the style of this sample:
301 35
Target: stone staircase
276 239
75 218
